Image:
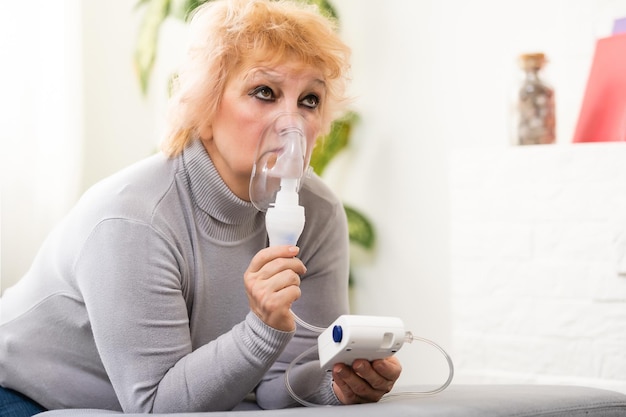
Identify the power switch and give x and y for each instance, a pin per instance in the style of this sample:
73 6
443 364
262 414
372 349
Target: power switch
337 334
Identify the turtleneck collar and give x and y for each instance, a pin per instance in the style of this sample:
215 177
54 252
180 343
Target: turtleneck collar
223 215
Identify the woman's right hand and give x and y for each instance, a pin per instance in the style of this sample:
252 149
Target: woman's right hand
272 283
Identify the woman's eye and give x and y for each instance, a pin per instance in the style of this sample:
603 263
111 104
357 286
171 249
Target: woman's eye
263 93
311 101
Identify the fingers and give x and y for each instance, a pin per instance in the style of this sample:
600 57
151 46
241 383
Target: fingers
355 388
277 266
365 381
272 283
263 257
274 269
389 369
280 280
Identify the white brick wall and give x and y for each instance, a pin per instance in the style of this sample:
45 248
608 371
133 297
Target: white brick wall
539 264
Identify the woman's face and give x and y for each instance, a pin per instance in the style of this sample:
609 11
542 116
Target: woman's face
252 99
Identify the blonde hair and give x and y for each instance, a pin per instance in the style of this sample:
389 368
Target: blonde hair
225 34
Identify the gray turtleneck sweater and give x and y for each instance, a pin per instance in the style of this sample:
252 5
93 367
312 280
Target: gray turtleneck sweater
136 301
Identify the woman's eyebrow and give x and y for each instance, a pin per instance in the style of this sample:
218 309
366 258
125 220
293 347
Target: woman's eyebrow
277 77
266 74
319 82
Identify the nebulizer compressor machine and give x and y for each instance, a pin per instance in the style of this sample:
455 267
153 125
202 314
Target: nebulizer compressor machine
280 166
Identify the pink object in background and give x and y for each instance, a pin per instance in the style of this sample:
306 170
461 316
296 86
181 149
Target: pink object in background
602 116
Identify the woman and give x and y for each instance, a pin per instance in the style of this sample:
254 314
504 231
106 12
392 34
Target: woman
158 293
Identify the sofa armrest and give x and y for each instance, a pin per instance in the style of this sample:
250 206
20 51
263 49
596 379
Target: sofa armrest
456 401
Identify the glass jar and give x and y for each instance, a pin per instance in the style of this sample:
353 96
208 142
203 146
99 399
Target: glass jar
535 104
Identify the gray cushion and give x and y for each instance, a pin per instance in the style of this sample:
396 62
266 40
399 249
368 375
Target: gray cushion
457 400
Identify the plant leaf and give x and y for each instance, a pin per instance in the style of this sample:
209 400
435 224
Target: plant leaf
325 7
360 229
147 41
335 141
141 3
181 9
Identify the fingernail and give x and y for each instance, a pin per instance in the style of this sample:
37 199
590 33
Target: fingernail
294 249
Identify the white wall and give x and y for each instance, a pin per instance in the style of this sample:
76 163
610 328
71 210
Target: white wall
429 76
75 114
539 265
42 125
120 124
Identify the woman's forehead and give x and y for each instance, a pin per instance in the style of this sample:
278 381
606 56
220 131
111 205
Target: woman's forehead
281 71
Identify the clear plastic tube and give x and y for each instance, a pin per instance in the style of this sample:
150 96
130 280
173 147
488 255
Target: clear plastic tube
410 338
306 325
292 393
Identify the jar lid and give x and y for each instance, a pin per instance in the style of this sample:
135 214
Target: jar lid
535 60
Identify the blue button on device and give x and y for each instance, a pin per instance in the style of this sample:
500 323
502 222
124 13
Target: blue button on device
337 333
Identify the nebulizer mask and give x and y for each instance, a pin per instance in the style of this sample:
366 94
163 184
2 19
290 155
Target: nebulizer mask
281 161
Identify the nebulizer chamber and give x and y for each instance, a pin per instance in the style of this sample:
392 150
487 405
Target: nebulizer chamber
278 170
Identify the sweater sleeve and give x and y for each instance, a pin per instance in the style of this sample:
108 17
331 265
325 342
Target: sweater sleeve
325 252
129 276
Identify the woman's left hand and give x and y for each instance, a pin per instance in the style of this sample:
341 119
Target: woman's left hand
365 382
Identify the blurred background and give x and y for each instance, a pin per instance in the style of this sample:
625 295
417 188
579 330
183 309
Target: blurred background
465 253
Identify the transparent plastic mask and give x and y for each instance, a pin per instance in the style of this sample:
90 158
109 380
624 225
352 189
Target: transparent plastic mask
281 154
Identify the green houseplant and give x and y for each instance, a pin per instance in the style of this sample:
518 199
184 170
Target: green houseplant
156 12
